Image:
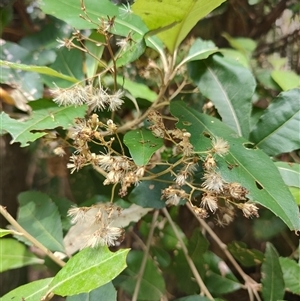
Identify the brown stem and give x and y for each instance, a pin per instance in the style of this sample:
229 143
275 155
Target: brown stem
35 242
145 257
250 284
193 268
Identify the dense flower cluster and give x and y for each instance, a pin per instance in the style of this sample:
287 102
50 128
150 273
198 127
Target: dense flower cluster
218 196
221 197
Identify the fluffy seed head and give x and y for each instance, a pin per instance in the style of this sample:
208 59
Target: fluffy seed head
210 201
213 181
220 146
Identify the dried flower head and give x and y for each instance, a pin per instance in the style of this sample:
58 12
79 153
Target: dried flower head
200 212
237 191
209 163
173 195
77 162
59 151
210 201
227 218
173 199
78 214
115 100
157 131
111 126
64 43
158 128
213 181
192 166
176 133
113 177
220 146
140 171
249 209
105 236
155 117
98 98
181 178
100 217
75 95
185 145
105 161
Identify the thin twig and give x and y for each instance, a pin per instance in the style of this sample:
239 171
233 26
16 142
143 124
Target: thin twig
35 242
193 268
145 257
251 285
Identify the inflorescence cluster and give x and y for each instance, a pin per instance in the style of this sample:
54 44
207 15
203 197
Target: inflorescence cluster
211 195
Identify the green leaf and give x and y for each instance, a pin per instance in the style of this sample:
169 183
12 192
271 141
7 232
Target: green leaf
296 194
277 62
267 226
14 255
142 144
198 245
181 17
277 131
38 69
290 173
148 193
236 55
252 168
69 11
244 45
106 292
39 216
180 267
28 83
137 90
46 115
33 291
68 62
161 255
219 279
287 80
247 257
87 270
291 272
265 78
131 52
93 61
168 238
152 285
4 232
229 86
46 37
200 50
272 277
63 205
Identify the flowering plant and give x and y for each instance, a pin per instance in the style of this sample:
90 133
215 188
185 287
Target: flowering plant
144 120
